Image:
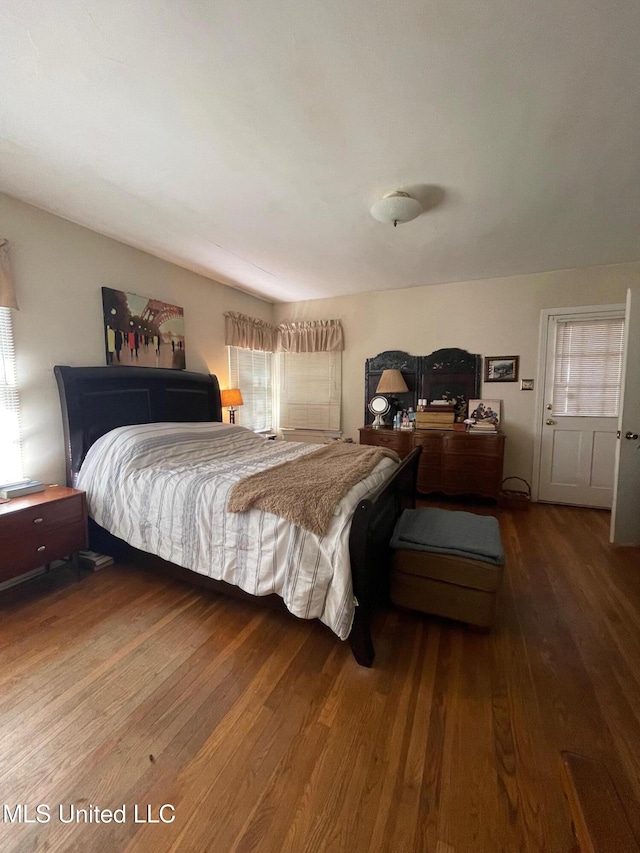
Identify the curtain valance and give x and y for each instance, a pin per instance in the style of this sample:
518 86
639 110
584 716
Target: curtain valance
312 336
248 332
7 290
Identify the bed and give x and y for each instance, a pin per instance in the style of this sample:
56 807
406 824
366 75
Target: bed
141 408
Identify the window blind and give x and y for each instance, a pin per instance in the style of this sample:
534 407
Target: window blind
250 371
10 444
588 367
310 390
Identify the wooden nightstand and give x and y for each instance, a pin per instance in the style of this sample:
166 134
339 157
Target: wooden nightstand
37 529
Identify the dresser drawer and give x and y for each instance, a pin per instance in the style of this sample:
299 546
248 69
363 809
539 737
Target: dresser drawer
23 554
471 482
477 445
430 442
396 440
461 462
34 520
458 463
429 480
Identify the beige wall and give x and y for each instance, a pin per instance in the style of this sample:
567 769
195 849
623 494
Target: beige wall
59 269
492 317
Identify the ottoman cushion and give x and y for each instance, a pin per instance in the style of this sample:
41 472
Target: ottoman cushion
448 563
445 532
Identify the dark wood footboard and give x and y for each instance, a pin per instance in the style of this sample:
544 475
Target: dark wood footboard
371 529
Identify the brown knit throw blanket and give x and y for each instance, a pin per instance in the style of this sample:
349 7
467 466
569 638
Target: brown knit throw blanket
306 491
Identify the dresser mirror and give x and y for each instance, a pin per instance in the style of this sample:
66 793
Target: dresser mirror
379 406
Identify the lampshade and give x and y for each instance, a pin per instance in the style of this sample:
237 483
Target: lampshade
396 207
232 397
391 382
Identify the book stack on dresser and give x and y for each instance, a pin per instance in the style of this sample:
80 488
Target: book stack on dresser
435 417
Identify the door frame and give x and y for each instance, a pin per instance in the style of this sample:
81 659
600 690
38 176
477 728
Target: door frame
625 495
615 309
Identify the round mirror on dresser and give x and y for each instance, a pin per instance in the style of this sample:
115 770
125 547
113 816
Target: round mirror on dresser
379 406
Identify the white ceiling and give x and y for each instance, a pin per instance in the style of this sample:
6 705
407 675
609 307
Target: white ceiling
246 140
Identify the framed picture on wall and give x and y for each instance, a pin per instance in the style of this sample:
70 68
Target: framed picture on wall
501 368
141 331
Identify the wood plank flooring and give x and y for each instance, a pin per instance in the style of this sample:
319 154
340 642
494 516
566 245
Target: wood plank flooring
599 818
263 734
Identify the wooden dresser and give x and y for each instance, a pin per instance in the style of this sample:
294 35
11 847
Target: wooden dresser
456 463
37 529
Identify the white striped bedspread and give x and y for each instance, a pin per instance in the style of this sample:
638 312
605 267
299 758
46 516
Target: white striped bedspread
164 487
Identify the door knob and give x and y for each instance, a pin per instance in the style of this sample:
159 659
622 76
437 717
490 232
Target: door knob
550 421
632 436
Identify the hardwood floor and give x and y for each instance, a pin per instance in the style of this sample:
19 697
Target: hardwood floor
264 734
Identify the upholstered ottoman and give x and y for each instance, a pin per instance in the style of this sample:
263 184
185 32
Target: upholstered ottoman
447 563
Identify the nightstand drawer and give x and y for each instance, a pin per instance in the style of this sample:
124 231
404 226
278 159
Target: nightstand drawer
21 555
35 520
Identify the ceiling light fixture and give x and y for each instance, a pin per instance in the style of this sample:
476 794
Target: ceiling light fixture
396 207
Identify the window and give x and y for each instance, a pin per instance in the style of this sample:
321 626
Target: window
10 447
310 389
250 371
588 367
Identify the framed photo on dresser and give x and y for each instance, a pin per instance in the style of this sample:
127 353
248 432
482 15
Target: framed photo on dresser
485 412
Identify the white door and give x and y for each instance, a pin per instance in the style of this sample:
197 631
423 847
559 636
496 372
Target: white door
580 406
625 518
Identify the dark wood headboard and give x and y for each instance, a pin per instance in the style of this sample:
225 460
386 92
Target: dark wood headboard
95 400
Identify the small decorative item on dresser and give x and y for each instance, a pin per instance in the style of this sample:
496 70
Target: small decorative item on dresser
406 422
459 403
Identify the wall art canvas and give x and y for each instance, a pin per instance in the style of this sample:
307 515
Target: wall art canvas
142 332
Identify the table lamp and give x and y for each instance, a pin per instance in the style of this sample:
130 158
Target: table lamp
392 383
230 399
